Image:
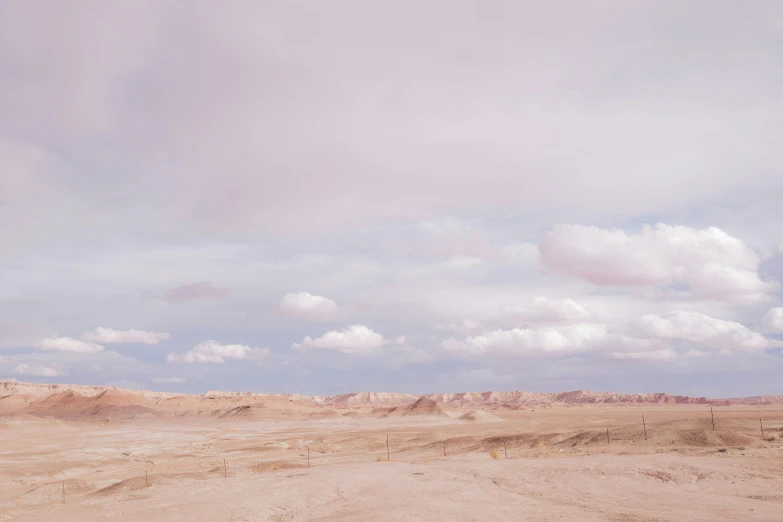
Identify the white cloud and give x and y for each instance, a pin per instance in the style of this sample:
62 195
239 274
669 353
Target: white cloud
542 310
711 263
563 340
356 339
109 336
773 320
651 337
664 354
308 306
213 352
699 329
169 380
39 371
464 327
67 344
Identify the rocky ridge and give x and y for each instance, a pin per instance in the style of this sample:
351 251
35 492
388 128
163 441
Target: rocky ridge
47 395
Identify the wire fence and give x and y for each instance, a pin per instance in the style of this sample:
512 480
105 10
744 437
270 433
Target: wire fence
389 447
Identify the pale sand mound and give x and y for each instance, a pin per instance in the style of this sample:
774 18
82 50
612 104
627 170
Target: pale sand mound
53 492
479 416
141 482
326 414
263 467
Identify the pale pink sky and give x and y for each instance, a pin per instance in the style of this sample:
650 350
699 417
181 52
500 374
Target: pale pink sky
411 196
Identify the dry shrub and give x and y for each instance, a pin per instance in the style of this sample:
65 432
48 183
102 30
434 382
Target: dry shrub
427 460
542 448
494 454
772 438
381 458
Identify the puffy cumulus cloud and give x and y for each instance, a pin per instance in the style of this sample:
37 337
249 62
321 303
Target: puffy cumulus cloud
308 306
109 336
214 352
773 320
195 292
565 340
67 344
701 330
542 310
169 380
711 263
355 340
38 371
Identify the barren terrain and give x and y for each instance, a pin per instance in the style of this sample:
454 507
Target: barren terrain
90 453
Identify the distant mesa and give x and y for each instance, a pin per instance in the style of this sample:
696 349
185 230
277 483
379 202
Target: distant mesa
106 403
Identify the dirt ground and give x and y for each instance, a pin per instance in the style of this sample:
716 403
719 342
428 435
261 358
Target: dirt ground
552 463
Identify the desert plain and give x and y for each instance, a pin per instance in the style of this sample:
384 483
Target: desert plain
73 453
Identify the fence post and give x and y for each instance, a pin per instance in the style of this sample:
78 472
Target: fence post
645 428
607 436
444 449
713 419
762 428
504 448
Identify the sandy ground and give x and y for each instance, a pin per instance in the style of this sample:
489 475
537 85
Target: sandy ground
556 465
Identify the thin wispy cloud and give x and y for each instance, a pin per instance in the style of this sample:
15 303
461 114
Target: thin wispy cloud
195 292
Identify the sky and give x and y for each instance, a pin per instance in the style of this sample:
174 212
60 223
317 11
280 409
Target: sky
419 197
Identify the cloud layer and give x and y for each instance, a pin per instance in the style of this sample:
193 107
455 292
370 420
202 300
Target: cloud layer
651 337
505 185
195 292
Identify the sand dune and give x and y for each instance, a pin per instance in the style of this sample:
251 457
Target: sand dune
326 414
53 492
479 416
